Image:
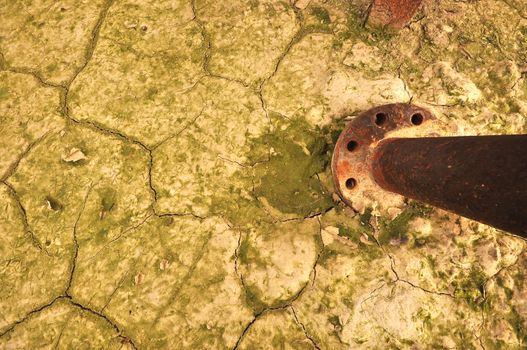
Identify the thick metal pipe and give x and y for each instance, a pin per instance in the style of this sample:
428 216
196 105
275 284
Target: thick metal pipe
480 177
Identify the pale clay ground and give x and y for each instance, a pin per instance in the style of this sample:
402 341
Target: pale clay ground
165 178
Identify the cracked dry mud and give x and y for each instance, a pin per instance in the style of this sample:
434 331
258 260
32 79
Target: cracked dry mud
165 178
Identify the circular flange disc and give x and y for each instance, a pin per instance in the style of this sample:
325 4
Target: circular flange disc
351 162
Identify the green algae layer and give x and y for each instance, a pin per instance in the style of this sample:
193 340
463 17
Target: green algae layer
166 183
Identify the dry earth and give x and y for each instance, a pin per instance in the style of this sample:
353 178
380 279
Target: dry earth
165 180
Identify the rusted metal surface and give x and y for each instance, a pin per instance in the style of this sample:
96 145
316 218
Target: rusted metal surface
386 154
480 177
393 13
352 155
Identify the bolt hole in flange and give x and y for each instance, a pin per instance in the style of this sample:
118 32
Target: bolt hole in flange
351 183
352 145
380 118
417 119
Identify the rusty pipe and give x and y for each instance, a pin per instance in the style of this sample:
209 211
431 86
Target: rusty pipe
392 13
483 178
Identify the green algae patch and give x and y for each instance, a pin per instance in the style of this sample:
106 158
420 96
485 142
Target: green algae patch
253 298
322 14
238 210
506 290
108 197
346 235
247 253
471 288
354 228
356 28
288 179
397 229
4 92
518 325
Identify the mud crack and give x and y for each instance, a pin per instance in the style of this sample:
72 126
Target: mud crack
23 215
308 336
76 243
282 305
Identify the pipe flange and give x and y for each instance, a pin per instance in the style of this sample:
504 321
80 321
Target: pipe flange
352 158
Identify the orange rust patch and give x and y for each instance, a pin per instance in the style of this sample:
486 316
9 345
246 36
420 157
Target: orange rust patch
393 13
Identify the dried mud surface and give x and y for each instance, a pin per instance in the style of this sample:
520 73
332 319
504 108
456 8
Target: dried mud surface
165 178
